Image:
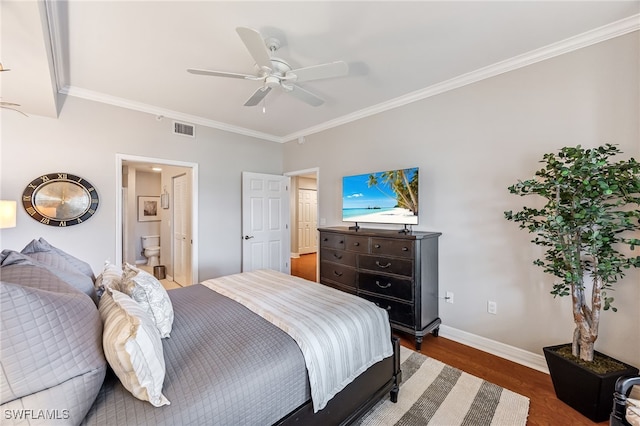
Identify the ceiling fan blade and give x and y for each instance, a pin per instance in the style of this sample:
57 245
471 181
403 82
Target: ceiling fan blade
256 46
257 96
305 96
317 72
220 73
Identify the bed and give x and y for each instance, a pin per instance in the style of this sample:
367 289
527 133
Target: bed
224 363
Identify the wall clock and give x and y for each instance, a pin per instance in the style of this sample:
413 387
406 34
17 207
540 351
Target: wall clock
60 199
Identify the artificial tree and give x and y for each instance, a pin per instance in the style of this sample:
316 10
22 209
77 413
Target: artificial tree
591 214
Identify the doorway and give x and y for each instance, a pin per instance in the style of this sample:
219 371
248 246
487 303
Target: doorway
304 219
136 179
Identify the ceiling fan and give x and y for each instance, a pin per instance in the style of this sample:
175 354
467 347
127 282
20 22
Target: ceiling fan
275 72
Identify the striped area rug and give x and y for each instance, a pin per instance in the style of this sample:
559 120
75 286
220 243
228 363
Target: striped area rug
433 393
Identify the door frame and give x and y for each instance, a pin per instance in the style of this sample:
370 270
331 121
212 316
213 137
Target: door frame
292 201
173 229
194 204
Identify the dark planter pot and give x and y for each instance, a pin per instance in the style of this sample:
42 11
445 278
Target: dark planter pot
589 393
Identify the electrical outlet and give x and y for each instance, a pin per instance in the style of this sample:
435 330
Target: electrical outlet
449 297
492 307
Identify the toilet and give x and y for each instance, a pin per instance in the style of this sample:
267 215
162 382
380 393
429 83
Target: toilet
151 249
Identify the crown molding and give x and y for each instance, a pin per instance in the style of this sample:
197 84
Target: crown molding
56 37
597 35
156 111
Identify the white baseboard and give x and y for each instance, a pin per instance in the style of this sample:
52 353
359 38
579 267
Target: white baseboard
295 255
517 355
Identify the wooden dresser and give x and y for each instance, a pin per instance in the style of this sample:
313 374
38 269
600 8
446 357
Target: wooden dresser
396 271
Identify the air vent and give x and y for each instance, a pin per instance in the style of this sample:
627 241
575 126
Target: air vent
184 129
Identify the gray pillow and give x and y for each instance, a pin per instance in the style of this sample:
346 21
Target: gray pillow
54 264
41 245
50 343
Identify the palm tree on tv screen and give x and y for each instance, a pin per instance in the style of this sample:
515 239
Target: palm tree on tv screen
405 188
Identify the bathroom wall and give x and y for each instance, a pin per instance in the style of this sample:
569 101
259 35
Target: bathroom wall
147 184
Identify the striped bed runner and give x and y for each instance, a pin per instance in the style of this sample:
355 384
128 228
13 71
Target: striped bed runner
433 393
340 335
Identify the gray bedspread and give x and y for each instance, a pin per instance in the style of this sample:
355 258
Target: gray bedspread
214 371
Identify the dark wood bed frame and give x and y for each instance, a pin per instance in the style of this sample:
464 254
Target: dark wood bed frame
356 398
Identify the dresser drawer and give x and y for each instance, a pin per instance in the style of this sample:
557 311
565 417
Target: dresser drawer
400 288
338 256
388 247
338 273
388 265
338 286
357 243
332 240
399 312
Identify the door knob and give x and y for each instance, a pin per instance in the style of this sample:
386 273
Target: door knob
246 237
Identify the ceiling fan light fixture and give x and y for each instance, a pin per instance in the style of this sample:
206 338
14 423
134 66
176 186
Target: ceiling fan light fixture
272 81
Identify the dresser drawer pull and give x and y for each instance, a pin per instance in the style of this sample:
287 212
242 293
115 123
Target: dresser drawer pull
405 248
356 244
388 308
383 286
383 266
338 274
377 246
337 256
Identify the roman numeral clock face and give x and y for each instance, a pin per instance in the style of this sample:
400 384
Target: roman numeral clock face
60 199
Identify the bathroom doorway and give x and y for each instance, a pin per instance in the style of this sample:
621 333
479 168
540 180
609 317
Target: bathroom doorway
151 180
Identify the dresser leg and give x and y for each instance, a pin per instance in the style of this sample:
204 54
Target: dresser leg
418 343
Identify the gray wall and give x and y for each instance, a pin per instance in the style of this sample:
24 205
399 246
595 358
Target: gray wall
470 144
84 141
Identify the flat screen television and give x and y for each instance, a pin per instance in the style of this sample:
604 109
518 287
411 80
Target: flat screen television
389 197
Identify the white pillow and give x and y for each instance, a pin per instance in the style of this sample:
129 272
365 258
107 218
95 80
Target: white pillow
111 277
145 289
133 347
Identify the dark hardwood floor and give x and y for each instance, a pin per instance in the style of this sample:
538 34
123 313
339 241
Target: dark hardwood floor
304 266
544 409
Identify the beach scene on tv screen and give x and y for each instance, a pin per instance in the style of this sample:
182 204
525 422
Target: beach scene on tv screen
381 197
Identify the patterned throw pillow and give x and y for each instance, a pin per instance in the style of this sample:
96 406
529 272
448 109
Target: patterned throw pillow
145 289
133 347
111 277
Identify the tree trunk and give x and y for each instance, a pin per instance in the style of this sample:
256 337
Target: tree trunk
585 334
586 349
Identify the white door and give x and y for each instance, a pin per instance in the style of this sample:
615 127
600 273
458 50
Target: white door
265 222
307 221
181 230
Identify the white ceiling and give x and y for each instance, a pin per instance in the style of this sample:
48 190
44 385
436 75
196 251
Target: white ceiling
135 53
